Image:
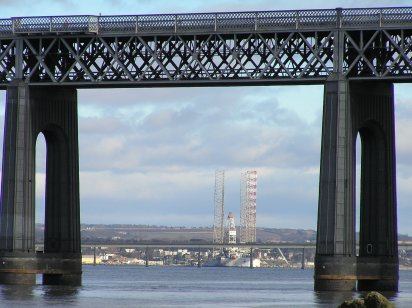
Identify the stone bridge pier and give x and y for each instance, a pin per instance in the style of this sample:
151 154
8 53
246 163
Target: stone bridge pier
352 109
29 112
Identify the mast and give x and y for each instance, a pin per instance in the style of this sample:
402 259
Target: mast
218 228
248 185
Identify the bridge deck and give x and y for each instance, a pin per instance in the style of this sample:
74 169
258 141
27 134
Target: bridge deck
208 49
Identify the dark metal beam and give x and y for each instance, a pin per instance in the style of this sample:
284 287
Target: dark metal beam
245 48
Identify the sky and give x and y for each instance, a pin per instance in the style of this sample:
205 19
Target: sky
148 156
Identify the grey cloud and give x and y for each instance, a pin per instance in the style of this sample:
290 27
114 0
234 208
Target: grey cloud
102 126
202 133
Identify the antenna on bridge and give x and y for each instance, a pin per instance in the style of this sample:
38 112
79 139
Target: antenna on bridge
218 230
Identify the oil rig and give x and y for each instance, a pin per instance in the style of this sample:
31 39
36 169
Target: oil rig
227 233
247 228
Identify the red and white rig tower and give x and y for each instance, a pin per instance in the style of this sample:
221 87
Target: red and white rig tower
218 227
231 229
248 184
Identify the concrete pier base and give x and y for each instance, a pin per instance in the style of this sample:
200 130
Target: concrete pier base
377 273
62 279
60 269
57 269
18 268
17 278
335 273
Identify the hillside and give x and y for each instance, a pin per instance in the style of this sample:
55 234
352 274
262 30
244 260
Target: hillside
140 233
92 233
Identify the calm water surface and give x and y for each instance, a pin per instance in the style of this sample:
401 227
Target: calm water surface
127 286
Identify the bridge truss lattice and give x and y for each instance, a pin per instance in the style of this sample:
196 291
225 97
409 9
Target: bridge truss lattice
202 49
219 205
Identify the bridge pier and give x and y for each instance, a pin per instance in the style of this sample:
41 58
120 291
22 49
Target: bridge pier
53 112
367 109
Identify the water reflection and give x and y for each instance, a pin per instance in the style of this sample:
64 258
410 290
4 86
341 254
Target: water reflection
28 294
330 297
67 295
68 292
17 292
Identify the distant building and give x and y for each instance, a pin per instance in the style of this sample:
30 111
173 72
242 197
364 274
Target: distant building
90 259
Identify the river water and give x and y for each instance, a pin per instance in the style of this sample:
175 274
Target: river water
132 286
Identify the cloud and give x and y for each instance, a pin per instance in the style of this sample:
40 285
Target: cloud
226 128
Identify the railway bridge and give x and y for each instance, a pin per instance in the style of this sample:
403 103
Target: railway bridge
357 54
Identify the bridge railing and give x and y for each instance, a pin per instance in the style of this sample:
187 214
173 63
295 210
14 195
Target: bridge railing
6 26
376 17
211 22
53 24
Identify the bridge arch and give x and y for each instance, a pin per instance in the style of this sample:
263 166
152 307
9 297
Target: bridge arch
373 190
56 188
40 181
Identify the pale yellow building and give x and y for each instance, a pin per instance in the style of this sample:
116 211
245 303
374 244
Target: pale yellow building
89 259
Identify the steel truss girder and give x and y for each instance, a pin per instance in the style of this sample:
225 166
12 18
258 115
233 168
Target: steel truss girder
378 54
134 60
